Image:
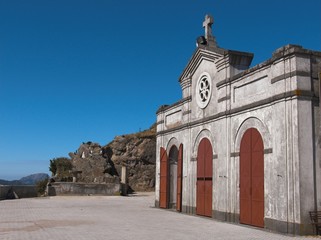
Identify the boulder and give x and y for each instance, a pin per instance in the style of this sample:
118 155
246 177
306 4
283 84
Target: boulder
90 165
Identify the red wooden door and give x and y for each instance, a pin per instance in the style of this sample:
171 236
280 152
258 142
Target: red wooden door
179 179
252 178
163 188
204 178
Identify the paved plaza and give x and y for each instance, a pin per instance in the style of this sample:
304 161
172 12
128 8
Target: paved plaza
113 217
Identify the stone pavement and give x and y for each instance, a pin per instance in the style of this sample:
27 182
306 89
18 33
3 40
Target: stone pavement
112 217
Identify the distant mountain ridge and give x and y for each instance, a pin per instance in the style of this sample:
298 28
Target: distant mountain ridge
28 180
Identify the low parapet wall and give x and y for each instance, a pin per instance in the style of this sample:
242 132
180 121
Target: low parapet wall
23 191
71 188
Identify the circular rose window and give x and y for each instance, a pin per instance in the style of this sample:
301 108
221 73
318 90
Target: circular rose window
203 90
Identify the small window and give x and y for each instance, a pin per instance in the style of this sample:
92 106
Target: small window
203 90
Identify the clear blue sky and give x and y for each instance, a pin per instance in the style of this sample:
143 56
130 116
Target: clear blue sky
73 71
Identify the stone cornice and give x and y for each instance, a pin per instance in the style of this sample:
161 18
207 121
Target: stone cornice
186 82
164 108
280 53
290 74
222 99
300 94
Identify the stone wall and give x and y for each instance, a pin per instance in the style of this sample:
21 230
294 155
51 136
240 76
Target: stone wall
25 191
69 188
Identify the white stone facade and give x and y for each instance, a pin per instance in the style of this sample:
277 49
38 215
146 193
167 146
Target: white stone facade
280 99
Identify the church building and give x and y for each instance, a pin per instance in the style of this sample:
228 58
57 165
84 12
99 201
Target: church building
242 143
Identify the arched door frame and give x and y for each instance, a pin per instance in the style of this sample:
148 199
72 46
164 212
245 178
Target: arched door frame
204 183
164 187
172 176
252 178
251 122
204 133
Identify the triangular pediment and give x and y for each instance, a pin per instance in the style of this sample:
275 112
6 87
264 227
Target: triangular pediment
216 55
222 58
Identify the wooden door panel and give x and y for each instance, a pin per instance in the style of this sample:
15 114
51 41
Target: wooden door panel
208 198
246 142
245 216
257 189
208 159
257 183
204 178
257 213
252 178
245 165
245 179
163 188
257 141
200 188
257 163
200 160
162 200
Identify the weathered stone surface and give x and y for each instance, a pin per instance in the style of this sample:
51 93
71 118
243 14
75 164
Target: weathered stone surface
93 163
137 153
11 194
17 191
68 188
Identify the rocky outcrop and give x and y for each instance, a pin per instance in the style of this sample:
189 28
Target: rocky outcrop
137 153
93 163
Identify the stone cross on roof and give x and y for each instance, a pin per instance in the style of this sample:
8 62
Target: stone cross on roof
207 24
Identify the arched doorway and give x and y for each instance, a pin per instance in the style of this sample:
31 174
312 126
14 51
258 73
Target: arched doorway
252 178
171 180
173 159
204 178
